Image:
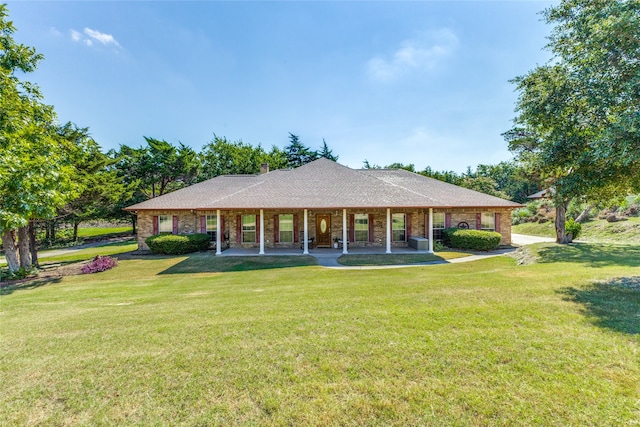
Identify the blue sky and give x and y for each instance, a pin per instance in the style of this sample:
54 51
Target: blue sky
413 82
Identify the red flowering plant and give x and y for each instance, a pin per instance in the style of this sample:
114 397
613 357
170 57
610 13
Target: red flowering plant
99 263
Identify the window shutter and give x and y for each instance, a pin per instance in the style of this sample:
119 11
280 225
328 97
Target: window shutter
276 229
296 237
175 224
258 228
222 225
407 219
447 220
497 222
371 227
155 224
478 221
239 228
203 223
352 226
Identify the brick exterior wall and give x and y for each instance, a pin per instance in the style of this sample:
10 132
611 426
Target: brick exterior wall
189 222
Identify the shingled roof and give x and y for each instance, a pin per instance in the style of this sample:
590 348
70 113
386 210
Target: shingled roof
322 184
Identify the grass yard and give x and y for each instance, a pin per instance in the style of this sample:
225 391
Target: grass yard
103 231
397 259
592 231
160 341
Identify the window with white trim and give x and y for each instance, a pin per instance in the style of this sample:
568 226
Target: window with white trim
212 226
488 221
361 227
398 227
438 225
165 224
248 228
285 228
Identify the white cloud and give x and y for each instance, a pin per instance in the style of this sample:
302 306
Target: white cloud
419 54
105 39
90 36
54 32
75 36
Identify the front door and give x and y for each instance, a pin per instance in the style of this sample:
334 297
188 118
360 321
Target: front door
323 230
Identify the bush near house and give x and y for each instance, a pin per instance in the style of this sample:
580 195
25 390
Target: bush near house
172 244
477 240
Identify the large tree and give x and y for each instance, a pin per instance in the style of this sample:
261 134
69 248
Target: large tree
297 153
578 118
36 168
102 189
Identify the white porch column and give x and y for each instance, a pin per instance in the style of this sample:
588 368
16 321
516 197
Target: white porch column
388 230
218 234
344 232
305 244
261 232
430 225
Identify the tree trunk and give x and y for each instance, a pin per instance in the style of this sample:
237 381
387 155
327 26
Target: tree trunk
23 248
583 216
32 243
75 229
10 250
561 216
52 233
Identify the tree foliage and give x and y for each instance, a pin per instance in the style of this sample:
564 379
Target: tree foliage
297 153
36 165
223 157
578 117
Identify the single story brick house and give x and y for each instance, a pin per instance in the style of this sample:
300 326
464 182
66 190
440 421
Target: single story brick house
320 203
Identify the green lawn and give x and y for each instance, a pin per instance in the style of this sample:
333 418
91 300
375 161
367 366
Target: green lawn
490 342
593 231
397 259
103 231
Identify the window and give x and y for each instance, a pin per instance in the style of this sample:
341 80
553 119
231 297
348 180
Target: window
361 227
165 224
285 228
398 227
248 228
212 226
488 221
438 225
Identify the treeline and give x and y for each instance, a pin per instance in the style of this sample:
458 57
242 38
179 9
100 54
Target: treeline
508 179
118 178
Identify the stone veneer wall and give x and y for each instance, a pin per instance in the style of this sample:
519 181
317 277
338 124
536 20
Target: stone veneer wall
189 222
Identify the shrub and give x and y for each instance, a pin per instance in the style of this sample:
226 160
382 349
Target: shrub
477 240
573 228
99 263
177 244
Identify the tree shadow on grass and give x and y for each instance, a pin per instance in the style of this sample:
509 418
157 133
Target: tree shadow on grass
205 263
7 288
591 254
614 304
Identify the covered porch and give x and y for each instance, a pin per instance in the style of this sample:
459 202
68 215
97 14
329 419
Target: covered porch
324 234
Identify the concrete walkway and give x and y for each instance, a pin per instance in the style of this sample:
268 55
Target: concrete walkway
523 239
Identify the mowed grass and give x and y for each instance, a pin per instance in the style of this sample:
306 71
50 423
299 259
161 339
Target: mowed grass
397 259
103 231
593 231
74 255
481 343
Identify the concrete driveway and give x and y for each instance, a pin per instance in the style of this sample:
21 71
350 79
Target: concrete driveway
523 239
